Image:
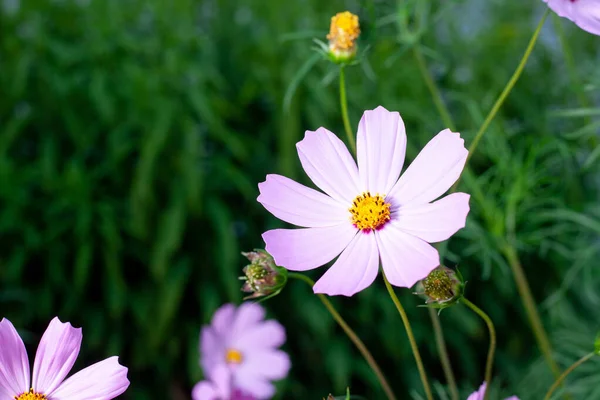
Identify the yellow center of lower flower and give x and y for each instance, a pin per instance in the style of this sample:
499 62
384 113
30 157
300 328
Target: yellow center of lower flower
31 395
344 31
233 356
369 212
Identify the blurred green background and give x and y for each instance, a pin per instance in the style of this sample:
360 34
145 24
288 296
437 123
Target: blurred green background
133 135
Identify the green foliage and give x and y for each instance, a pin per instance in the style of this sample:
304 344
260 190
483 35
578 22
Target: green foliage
133 135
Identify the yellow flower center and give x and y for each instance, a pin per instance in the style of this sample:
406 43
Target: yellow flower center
31 395
233 356
369 212
344 30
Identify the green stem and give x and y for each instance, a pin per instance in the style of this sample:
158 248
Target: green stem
411 338
344 106
435 320
511 83
433 89
443 353
352 335
529 303
489 365
561 378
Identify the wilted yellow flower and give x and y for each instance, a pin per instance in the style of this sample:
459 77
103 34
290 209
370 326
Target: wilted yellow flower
342 36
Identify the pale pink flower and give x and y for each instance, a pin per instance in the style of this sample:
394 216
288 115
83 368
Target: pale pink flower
219 387
56 354
369 212
478 395
584 13
239 350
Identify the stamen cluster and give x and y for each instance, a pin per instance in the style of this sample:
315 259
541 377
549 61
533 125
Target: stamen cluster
369 212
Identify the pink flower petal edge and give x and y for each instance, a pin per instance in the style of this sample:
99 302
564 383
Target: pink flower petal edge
104 380
14 371
55 356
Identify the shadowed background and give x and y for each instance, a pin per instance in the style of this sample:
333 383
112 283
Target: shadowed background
133 136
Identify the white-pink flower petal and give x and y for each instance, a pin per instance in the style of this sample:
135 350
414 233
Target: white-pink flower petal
299 205
381 147
14 364
267 334
433 172
354 270
307 248
405 259
584 13
434 222
55 356
247 316
104 380
326 160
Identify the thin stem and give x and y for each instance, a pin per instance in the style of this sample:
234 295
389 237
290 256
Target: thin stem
435 320
411 338
561 378
443 353
344 106
352 335
529 303
511 83
489 365
433 89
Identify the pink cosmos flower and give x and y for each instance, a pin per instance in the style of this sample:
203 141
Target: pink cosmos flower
239 350
478 395
56 354
584 13
219 387
367 213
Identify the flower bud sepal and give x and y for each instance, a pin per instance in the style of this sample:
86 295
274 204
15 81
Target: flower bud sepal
263 278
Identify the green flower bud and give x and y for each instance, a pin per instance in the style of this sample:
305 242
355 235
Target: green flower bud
597 345
263 277
442 288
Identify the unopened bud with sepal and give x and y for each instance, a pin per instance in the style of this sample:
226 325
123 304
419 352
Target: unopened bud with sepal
263 277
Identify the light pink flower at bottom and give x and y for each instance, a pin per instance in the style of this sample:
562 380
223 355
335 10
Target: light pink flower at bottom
368 212
479 394
55 356
219 387
242 342
584 13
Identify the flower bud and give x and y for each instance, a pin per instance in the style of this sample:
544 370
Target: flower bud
343 32
262 276
597 345
443 287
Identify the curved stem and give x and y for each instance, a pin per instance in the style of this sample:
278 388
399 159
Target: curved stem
489 365
352 335
529 304
344 106
411 338
567 372
511 83
443 353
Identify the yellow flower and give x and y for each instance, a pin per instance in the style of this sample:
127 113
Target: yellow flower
342 36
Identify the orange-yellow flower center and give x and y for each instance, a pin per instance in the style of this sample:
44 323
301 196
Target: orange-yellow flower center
31 395
233 356
369 212
344 30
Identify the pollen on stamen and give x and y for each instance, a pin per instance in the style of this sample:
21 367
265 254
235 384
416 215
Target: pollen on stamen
369 212
31 395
